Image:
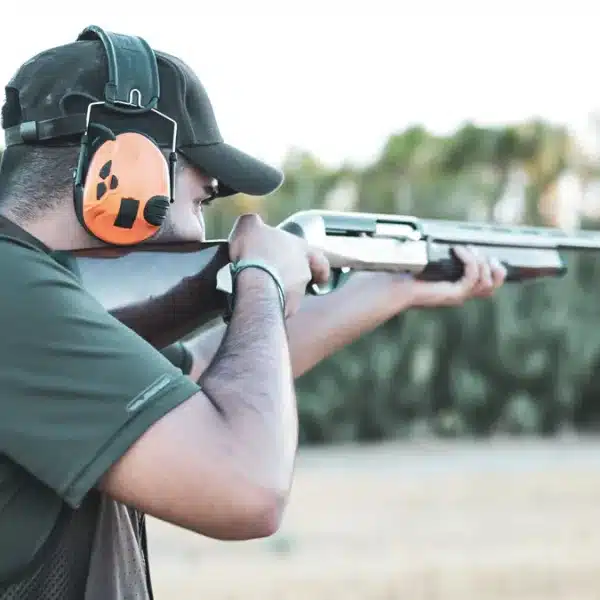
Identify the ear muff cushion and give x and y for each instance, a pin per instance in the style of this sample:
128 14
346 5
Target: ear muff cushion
124 175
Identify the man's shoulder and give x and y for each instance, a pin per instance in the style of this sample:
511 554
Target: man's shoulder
21 249
15 234
23 261
36 290
10 243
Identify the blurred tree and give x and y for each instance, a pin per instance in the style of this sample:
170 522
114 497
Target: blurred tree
545 153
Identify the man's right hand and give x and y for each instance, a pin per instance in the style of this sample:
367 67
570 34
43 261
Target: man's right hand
296 263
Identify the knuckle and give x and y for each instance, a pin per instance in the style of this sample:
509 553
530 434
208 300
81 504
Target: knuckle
251 219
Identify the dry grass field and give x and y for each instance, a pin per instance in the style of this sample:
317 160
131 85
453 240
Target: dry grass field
498 520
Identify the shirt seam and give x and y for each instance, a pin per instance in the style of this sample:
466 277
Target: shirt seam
89 472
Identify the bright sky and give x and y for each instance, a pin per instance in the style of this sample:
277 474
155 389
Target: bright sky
338 81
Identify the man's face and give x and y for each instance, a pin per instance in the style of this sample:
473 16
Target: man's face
185 221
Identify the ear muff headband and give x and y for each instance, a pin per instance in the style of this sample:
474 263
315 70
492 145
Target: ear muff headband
123 184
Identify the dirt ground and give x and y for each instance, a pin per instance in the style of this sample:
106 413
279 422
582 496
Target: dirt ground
471 521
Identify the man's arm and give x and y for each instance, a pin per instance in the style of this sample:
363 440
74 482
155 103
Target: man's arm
221 463
325 324
166 319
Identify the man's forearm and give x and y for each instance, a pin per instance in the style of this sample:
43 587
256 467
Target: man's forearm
324 324
249 381
173 315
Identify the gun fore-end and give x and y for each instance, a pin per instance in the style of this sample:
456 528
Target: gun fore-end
431 261
521 264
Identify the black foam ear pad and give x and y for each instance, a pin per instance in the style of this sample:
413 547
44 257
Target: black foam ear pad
155 211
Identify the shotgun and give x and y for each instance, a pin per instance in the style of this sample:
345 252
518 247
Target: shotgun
350 241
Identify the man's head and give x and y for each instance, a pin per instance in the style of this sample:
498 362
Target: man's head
46 113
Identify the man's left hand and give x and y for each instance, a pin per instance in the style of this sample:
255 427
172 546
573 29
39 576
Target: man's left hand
482 277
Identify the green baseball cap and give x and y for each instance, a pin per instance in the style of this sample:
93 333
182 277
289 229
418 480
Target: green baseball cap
47 102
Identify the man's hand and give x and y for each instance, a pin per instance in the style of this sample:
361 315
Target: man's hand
482 277
290 255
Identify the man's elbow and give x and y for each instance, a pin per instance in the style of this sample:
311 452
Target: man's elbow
260 520
270 517
255 518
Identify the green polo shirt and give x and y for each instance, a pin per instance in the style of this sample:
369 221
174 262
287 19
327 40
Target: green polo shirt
77 389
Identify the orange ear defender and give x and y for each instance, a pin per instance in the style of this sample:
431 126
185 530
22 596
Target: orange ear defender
126 192
123 184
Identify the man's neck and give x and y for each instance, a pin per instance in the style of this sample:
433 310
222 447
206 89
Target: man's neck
59 230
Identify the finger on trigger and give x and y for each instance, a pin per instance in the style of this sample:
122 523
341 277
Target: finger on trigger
319 266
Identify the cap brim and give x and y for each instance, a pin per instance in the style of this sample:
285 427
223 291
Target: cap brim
236 171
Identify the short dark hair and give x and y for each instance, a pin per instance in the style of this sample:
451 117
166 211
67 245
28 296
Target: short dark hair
33 179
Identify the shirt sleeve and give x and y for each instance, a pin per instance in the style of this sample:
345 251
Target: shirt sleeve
77 387
177 354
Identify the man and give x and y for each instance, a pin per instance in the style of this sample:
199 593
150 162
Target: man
98 427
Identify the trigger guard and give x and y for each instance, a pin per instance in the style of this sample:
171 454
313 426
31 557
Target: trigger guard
336 279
